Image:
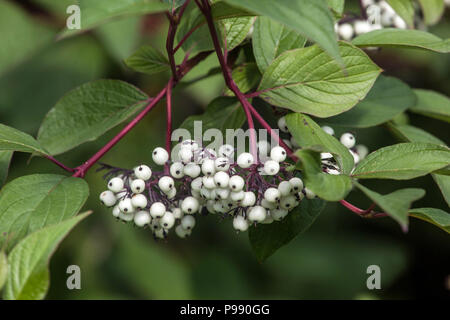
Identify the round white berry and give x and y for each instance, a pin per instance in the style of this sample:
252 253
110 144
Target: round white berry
271 167
115 184
190 144
168 220
285 188
126 217
222 164
160 233
288 202
137 186
177 170
272 195
116 211
157 210
245 160
221 179
348 140
399 23
249 199
346 31
142 218
362 26
192 170
139 201
282 124
263 148
186 155
181 232
126 206
160 156
143 172
206 193
166 183
268 205
223 194
122 194
236 183
172 193
108 198
197 184
226 151
355 156
296 183
362 151
328 130
309 194
278 154
268 219
188 222
190 205
177 213
209 183
278 214
325 155
257 214
208 167
240 223
237 196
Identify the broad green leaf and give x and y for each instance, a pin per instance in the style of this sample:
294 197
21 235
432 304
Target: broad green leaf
390 37
32 202
266 239
405 9
388 98
432 10
307 80
5 160
87 112
403 161
326 186
148 60
21 35
437 217
246 76
222 113
270 39
312 19
28 261
174 3
14 140
432 104
235 30
409 133
3 268
397 203
337 6
97 12
56 7
443 183
307 133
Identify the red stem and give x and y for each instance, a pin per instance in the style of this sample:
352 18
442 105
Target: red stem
59 164
169 120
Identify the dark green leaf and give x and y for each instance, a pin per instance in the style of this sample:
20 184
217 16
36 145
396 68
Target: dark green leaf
309 81
443 183
28 261
3 269
246 76
409 133
405 9
432 104
388 98
14 140
312 19
337 6
403 161
307 133
5 160
437 217
87 112
32 202
390 37
270 39
148 60
432 10
397 203
326 186
266 239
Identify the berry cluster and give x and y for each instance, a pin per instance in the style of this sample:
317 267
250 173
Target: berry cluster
205 181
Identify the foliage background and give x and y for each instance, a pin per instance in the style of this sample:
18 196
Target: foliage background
117 261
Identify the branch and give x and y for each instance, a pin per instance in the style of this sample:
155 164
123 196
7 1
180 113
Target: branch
59 164
169 120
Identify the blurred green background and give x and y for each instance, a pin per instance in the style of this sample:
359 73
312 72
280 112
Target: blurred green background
122 262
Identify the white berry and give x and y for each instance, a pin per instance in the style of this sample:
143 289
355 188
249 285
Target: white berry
278 154
115 184
346 31
285 188
197 184
288 202
257 214
192 170
126 206
190 205
182 233
271 167
221 179
328 130
309 194
166 183
348 140
245 160
142 218
296 183
137 186
240 223
143 172
157 210
208 167
186 155
226 151
139 201
108 198
168 220
278 214
222 164
249 199
177 170
188 222
160 156
236 183
272 195
282 124
209 182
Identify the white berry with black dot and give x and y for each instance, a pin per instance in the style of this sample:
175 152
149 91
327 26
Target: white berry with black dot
142 218
157 210
143 172
271 167
177 170
190 205
348 140
115 184
166 183
257 214
108 198
160 156
139 201
272 195
245 160
240 223
137 186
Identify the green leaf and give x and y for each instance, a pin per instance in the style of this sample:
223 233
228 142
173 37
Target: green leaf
174 4
405 9
266 239
32 202
307 80
326 186
403 161
246 76
443 183
390 37
236 30
312 19
388 98
222 113
437 217
397 203
5 160
28 261
14 140
337 6
432 104
270 39
21 35
148 60
432 10
307 133
409 133
3 269
87 112
98 12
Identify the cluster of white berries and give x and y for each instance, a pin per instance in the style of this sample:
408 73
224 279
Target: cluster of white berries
329 164
205 181
380 15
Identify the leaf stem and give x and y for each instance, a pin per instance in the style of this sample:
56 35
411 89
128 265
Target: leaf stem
169 121
59 164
